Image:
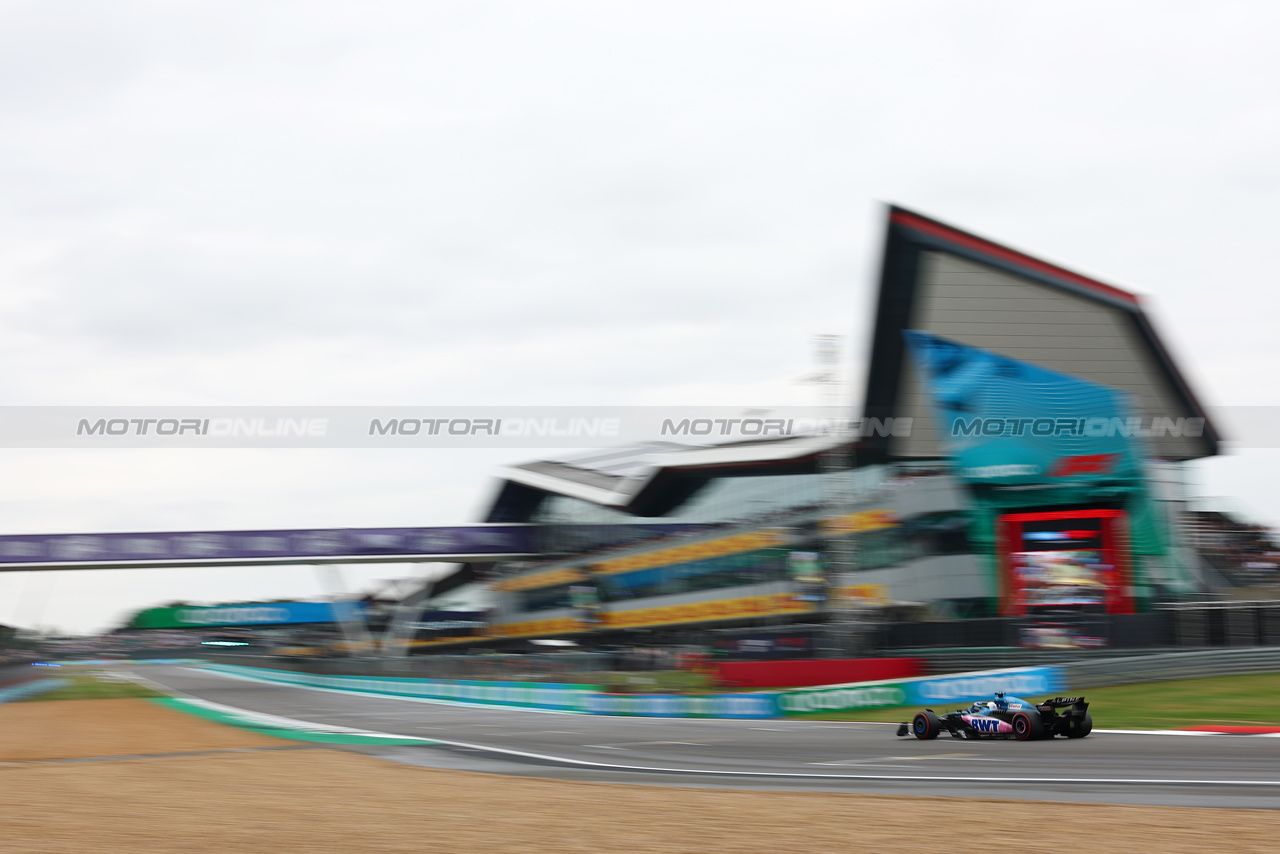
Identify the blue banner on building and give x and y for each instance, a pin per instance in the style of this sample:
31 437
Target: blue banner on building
1004 421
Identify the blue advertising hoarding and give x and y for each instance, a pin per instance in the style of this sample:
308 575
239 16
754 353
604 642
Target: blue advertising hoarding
939 692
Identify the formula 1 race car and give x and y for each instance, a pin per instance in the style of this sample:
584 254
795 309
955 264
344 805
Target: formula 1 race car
1006 717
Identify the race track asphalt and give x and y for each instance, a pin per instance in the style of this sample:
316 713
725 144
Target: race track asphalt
1106 767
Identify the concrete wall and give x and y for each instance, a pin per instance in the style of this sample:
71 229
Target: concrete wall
930 579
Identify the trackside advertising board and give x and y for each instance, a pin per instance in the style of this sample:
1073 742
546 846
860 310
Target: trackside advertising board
962 687
530 695
250 614
584 699
843 698
942 690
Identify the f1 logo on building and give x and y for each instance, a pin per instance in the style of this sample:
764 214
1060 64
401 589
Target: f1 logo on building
1087 464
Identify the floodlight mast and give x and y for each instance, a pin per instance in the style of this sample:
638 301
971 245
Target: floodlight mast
836 467
397 638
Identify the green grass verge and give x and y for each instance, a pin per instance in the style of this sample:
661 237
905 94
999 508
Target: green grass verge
1220 700
87 684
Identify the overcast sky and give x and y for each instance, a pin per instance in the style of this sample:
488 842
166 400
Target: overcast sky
567 203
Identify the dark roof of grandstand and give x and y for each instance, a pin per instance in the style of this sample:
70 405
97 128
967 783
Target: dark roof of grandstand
938 279
648 479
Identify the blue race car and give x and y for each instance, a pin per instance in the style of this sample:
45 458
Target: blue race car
1006 717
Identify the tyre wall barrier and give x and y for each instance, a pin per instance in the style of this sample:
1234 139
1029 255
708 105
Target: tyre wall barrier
925 691
527 695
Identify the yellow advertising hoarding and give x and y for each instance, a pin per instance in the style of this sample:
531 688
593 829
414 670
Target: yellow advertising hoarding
850 523
702 612
668 615
547 578
719 547
872 594
863 520
537 628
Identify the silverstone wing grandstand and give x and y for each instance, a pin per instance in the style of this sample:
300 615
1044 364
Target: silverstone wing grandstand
1038 494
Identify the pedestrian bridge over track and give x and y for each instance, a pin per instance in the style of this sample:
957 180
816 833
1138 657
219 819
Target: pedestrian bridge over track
478 542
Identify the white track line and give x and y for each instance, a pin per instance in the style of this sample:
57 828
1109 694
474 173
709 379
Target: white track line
263 718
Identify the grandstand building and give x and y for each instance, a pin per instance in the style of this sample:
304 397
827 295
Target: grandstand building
1041 480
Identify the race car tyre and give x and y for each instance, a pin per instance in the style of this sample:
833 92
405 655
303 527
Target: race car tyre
1079 727
1027 726
925 725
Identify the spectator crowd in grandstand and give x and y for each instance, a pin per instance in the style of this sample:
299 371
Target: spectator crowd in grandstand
1247 555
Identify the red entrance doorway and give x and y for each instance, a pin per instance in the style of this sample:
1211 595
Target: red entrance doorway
1064 560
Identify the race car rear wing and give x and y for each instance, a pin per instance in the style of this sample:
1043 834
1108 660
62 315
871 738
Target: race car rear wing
1062 702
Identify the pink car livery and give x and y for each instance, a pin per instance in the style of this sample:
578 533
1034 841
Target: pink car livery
1006 717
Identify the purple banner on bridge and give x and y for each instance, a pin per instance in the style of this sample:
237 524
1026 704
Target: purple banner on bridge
325 544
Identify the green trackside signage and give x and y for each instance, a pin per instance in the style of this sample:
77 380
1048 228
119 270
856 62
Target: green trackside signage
843 698
250 614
